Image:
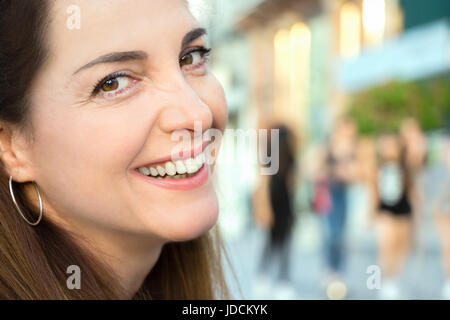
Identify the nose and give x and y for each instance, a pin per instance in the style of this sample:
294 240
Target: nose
184 110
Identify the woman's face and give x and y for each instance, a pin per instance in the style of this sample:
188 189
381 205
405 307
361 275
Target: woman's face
107 101
390 148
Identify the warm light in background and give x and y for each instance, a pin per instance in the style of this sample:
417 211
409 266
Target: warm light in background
300 47
292 60
350 33
374 21
282 70
300 36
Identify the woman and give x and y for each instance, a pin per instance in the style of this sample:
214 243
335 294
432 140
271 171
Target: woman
280 189
273 209
394 194
415 144
441 213
341 171
91 96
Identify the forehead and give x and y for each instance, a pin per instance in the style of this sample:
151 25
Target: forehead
89 28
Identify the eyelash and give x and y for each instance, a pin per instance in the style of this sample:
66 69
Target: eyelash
112 76
204 52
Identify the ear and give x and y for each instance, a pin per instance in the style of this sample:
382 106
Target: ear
13 153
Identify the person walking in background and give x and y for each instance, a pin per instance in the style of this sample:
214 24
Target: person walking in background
415 145
394 191
273 210
441 215
341 170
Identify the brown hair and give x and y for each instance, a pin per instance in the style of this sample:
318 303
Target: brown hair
34 260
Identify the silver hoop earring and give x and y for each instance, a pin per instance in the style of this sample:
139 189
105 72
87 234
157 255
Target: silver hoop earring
17 206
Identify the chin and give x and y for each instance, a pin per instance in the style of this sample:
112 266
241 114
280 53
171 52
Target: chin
191 221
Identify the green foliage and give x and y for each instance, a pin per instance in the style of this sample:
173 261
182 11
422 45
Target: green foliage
382 109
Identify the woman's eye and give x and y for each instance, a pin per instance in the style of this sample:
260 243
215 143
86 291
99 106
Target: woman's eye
113 86
194 58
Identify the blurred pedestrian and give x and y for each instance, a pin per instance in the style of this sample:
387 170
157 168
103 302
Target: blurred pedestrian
415 145
394 193
441 213
273 210
341 170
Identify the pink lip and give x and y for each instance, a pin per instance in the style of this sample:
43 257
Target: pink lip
187 154
197 180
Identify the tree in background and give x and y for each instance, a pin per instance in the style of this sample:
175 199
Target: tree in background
383 108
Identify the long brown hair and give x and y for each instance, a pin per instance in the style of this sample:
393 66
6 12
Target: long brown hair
34 260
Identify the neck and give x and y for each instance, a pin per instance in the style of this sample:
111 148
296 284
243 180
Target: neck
131 258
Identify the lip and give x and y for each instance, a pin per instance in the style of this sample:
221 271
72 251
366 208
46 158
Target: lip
197 180
187 154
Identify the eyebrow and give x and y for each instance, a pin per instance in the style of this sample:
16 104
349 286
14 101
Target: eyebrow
139 55
192 35
115 57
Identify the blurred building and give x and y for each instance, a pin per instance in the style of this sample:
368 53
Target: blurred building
299 60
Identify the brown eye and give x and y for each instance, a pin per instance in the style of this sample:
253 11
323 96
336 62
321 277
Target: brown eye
113 85
195 58
110 85
186 60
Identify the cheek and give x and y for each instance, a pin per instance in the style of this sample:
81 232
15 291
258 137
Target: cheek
87 153
98 140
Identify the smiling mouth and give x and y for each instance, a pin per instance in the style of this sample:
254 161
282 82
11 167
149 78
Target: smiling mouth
179 169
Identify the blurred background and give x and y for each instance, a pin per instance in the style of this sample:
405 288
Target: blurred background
360 91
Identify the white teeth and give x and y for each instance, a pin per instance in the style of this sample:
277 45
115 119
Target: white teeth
153 172
200 159
161 171
177 170
145 171
181 168
171 169
191 165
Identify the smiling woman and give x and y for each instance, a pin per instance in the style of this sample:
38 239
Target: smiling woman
86 123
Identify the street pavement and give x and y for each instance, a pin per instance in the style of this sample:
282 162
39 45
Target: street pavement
422 277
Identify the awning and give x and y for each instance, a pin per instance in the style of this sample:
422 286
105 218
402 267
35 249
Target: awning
271 9
418 53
